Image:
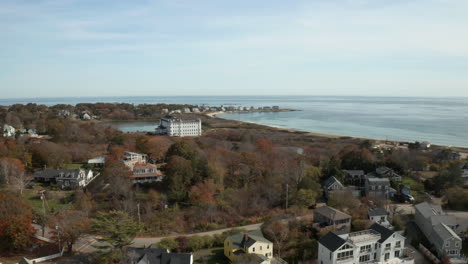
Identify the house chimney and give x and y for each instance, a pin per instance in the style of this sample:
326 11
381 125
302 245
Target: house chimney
246 237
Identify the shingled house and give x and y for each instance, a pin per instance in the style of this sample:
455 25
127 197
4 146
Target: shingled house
329 217
377 187
439 228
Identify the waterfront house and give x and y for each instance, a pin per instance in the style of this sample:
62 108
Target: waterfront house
328 217
176 127
154 255
378 245
252 242
440 229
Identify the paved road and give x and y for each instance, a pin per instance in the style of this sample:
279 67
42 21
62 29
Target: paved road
146 241
88 243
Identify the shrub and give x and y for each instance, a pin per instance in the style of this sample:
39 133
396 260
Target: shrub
168 243
195 243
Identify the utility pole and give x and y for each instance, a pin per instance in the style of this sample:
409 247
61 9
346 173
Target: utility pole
58 232
139 218
43 202
287 195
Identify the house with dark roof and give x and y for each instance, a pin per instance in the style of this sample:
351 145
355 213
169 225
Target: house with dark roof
385 172
379 216
378 244
252 242
154 255
377 187
328 217
355 177
440 229
332 184
65 178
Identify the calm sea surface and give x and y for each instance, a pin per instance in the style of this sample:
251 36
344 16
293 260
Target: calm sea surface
438 120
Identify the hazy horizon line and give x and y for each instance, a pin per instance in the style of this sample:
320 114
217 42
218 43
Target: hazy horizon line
229 95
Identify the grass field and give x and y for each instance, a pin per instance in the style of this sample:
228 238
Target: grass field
415 186
55 200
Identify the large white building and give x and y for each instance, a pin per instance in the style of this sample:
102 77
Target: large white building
176 127
377 245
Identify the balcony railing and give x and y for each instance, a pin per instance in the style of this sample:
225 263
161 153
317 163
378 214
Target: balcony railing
344 259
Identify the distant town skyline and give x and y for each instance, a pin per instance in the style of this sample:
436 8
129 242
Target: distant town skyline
65 48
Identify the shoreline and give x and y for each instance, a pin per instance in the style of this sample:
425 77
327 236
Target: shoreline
331 136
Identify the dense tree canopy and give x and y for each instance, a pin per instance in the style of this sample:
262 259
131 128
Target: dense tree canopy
15 222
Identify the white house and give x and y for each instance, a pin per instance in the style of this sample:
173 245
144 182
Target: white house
8 131
131 159
176 127
380 216
377 245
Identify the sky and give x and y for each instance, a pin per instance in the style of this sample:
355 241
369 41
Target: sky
61 48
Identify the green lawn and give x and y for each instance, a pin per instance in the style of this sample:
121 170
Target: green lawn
210 256
415 186
55 201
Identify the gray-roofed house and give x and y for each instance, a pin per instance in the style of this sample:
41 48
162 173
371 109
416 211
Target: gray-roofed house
65 178
377 244
154 255
252 242
380 216
377 187
332 184
385 172
329 217
439 228
355 177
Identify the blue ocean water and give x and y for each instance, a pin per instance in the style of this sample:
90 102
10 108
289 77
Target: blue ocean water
441 121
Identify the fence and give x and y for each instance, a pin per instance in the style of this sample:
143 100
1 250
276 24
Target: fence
42 259
428 254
